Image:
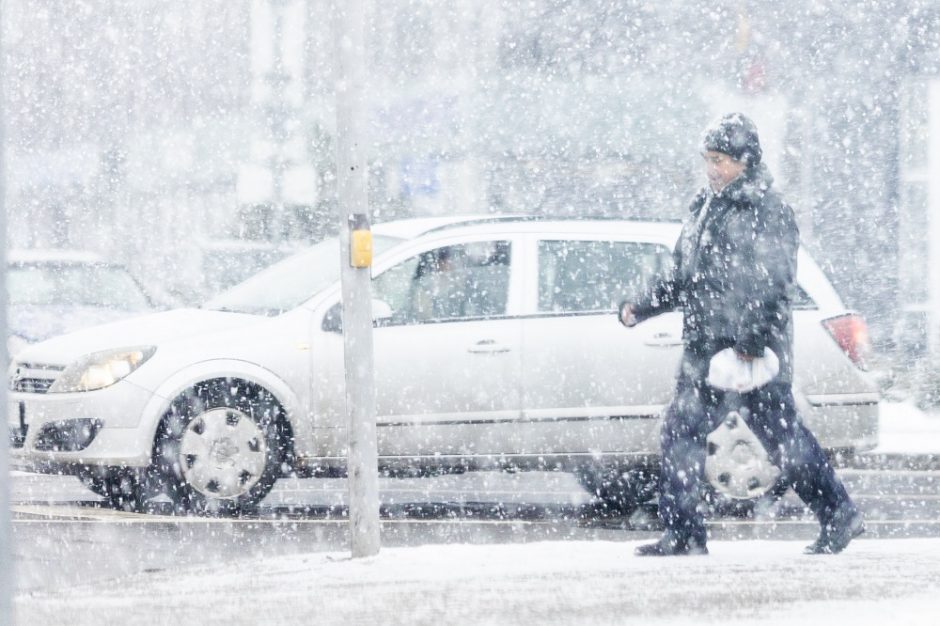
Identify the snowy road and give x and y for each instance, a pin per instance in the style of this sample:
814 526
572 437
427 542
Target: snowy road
891 497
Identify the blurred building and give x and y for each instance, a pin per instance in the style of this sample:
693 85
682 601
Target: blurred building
152 130
123 121
917 331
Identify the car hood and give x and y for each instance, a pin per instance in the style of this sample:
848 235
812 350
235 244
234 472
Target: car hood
149 330
35 323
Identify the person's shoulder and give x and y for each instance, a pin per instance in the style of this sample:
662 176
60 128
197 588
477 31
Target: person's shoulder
698 200
772 201
775 212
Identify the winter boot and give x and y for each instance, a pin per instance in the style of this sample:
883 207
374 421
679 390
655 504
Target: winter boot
834 536
669 545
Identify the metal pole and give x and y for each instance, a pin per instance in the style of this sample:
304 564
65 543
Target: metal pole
6 556
362 460
278 118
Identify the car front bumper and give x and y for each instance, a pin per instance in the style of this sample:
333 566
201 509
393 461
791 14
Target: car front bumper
108 423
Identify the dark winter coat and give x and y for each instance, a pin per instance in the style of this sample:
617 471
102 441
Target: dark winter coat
734 273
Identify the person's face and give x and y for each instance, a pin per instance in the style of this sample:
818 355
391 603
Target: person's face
721 169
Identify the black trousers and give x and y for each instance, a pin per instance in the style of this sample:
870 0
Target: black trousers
770 413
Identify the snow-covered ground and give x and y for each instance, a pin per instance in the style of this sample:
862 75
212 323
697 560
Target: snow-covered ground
905 429
875 582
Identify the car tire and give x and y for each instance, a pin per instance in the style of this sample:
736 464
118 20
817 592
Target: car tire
621 493
122 489
619 490
723 506
219 448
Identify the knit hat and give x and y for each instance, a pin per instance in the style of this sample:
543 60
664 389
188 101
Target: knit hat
735 135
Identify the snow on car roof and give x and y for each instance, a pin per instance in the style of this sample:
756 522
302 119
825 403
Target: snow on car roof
53 255
414 227
411 228
811 277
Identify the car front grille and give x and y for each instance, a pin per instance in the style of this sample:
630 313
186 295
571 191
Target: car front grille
33 377
33 385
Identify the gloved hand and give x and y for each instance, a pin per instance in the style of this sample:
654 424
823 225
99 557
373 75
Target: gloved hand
626 316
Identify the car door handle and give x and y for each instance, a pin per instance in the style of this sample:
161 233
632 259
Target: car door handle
488 346
663 339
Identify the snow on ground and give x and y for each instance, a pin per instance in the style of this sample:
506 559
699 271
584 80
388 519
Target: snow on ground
905 429
875 582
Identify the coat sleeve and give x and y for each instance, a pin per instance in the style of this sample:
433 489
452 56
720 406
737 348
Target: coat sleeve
766 275
663 294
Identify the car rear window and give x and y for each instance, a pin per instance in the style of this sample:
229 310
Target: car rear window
576 276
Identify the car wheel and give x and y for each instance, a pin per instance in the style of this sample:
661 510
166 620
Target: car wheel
219 448
619 490
740 478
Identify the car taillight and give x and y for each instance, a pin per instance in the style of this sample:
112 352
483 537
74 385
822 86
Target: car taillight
851 333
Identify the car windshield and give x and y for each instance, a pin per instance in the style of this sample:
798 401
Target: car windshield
69 284
290 282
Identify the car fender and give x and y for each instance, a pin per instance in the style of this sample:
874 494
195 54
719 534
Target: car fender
185 378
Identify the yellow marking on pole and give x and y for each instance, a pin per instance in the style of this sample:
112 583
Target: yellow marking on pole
360 248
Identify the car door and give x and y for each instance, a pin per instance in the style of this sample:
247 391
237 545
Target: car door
584 373
448 357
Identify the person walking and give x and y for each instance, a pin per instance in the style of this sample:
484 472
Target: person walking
733 276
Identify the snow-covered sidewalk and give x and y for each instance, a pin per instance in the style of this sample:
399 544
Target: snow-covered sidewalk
875 582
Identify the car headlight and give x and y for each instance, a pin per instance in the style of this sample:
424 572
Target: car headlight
101 369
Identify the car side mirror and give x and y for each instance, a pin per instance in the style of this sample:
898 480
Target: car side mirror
333 320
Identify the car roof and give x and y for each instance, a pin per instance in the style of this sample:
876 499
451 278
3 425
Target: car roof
412 228
812 277
54 256
415 227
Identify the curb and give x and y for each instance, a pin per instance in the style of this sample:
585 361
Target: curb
892 461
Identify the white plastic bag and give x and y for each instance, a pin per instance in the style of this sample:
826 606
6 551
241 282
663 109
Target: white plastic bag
727 371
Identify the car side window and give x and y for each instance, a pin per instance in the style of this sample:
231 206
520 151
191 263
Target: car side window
393 286
464 281
580 276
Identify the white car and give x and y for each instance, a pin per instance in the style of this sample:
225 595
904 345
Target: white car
498 347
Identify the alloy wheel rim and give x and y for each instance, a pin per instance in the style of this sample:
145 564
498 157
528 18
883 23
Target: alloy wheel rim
223 453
